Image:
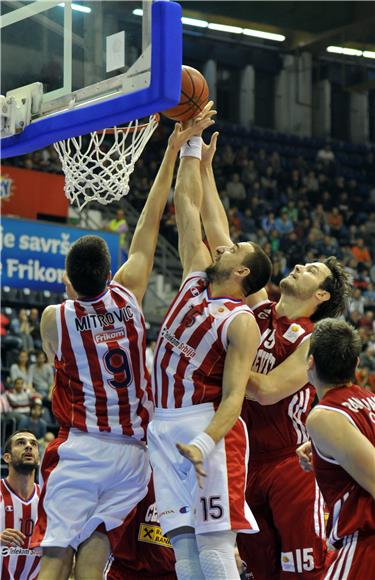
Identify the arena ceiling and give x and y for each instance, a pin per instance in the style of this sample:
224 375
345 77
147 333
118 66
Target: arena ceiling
306 24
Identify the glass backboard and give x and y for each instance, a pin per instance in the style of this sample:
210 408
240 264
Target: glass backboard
101 63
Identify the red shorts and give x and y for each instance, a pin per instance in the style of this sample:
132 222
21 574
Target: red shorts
116 570
288 507
354 560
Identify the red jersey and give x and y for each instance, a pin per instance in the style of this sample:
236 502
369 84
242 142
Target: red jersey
351 507
190 351
19 563
102 383
143 551
276 430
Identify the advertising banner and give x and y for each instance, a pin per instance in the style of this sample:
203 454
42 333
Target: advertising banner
34 252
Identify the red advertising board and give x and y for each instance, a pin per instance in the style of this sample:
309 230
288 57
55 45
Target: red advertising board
27 193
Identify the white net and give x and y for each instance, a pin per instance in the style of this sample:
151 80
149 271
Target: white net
98 166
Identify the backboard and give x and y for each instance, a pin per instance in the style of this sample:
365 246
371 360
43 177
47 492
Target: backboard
101 64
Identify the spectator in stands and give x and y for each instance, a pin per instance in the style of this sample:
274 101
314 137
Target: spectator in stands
34 422
357 303
42 375
19 398
311 182
119 226
326 155
283 224
335 221
236 191
21 327
21 369
249 172
361 252
367 357
369 295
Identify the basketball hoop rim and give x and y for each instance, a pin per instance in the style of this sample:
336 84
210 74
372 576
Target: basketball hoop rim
154 118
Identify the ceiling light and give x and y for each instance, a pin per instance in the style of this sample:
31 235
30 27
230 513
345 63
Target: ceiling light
261 34
343 50
138 12
225 28
194 22
368 54
78 7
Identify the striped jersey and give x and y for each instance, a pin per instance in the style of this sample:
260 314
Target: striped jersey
19 563
352 508
276 430
190 351
102 383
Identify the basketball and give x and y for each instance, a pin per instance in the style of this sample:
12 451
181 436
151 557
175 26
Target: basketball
194 96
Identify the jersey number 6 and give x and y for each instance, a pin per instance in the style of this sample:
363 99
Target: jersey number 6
116 362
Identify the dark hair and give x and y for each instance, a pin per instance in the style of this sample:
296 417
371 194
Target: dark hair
8 443
88 264
338 285
260 270
335 346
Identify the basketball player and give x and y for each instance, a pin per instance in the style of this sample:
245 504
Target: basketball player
342 430
278 380
19 507
143 551
98 465
204 352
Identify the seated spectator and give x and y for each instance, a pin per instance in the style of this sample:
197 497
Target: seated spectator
367 357
21 327
34 421
236 190
42 375
369 294
361 252
283 224
19 399
248 225
326 155
249 173
268 222
357 303
21 369
311 182
335 221
119 226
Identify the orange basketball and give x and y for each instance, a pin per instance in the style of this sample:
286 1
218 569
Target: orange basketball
194 96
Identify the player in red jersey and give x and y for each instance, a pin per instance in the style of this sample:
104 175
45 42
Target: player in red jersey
202 358
143 552
342 429
102 397
19 499
276 417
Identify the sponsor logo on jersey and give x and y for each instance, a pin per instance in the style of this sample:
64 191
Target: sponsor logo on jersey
195 291
115 334
167 513
187 350
184 509
264 314
153 535
5 551
219 312
8 508
294 332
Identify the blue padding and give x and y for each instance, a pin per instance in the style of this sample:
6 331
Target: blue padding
163 92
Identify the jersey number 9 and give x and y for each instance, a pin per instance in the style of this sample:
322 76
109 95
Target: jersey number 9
116 362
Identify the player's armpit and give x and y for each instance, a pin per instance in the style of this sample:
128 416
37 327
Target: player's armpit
243 338
285 380
336 437
48 332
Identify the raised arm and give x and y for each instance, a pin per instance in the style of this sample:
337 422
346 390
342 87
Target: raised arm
188 199
335 436
135 273
285 380
214 217
243 337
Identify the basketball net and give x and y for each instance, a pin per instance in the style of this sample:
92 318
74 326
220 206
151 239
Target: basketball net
98 171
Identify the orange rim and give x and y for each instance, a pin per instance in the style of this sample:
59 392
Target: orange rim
111 130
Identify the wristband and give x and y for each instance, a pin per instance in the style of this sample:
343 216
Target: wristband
205 444
192 148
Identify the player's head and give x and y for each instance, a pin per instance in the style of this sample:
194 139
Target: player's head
245 263
88 265
333 355
325 284
21 452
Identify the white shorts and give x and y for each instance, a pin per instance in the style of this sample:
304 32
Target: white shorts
220 505
89 481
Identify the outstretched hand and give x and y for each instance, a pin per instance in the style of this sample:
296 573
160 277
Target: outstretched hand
209 150
183 131
193 454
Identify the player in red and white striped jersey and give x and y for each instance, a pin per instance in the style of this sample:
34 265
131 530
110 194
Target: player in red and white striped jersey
202 359
342 429
101 398
19 497
277 425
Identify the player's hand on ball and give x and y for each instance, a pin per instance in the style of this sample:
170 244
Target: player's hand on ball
304 454
12 538
193 454
208 151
